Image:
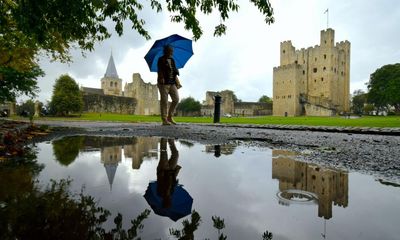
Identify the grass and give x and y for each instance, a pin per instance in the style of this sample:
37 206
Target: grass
365 121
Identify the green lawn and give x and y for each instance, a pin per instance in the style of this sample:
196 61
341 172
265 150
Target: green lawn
365 121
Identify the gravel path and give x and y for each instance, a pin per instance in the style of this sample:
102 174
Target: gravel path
372 151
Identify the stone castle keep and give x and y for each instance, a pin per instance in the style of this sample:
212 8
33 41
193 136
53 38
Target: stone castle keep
313 81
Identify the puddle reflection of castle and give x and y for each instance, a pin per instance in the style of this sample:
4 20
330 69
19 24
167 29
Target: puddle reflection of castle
137 151
330 186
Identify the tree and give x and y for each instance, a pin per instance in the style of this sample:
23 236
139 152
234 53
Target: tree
358 101
189 104
28 28
265 99
26 108
66 96
384 87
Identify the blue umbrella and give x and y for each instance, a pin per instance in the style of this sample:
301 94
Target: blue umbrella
181 202
182 51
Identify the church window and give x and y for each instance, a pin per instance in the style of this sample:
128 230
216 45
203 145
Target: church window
315 70
116 84
111 84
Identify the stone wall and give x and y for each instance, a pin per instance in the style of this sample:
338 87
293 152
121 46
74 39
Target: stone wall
146 95
109 104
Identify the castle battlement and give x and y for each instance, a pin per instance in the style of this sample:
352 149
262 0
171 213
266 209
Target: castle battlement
287 66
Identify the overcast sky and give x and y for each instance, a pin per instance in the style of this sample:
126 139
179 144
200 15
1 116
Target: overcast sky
243 59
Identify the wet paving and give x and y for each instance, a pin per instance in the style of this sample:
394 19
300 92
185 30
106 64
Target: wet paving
254 189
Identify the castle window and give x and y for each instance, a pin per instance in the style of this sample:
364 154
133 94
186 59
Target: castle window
315 59
335 70
295 61
324 56
304 61
324 68
304 72
283 51
115 85
315 70
111 84
342 73
325 41
315 80
322 79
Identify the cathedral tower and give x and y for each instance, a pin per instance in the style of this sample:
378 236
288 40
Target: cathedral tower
111 83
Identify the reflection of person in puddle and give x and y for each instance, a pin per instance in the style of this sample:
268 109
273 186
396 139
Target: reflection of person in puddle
167 171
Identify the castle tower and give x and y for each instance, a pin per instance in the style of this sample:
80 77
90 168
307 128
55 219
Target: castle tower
111 83
313 81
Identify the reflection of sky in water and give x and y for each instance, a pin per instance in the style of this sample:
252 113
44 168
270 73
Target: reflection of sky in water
240 186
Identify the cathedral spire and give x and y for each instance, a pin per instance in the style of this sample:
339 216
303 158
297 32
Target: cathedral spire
111 70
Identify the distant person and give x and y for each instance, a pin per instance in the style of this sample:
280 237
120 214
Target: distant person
167 171
168 84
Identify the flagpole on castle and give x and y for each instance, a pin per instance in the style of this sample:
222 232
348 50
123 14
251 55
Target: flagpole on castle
327 18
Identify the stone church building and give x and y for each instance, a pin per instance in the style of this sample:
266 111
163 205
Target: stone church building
138 97
313 81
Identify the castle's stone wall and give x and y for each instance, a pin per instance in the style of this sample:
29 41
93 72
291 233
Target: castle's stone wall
146 95
229 106
109 104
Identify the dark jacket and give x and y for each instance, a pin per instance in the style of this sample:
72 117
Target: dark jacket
164 71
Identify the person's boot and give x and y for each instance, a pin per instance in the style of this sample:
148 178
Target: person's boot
171 120
165 122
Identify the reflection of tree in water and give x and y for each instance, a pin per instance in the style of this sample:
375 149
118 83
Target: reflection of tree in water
67 149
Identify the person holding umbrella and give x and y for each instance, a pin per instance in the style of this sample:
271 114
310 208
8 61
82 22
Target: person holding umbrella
168 84
165 57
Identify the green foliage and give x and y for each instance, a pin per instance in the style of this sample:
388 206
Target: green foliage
15 82
27 106
189 104
66 96
384 87
189 227
265 99
358 101
267 235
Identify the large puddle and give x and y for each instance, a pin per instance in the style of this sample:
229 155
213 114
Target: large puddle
253 189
